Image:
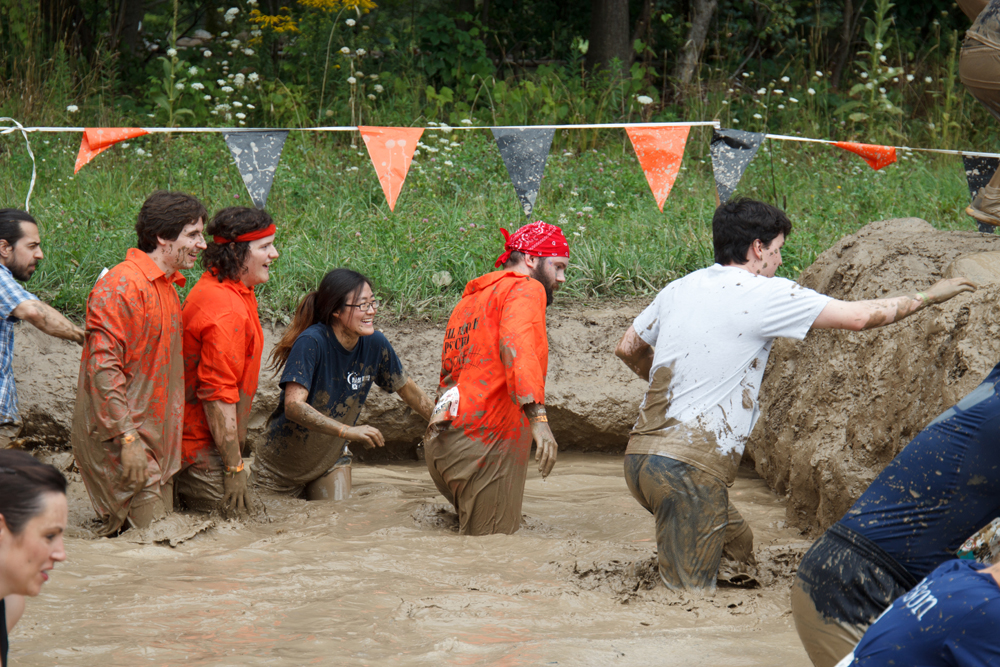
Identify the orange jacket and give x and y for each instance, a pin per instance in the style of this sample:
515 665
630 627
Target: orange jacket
496 352
223 345
131 377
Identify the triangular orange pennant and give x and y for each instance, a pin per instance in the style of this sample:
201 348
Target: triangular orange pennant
876 156
96 140
660 151
391 151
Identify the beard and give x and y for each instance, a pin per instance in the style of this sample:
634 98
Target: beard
548 284
23 272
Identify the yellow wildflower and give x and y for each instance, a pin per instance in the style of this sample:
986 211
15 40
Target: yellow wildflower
363 6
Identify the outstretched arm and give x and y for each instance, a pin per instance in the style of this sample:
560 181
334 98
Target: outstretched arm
859 315
636 353
415 397
299 411
48 320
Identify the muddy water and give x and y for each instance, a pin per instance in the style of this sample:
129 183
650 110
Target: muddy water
383 579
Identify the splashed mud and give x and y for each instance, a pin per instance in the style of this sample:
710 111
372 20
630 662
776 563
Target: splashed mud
382 578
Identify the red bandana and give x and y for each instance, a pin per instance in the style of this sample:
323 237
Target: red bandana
539 239
249 236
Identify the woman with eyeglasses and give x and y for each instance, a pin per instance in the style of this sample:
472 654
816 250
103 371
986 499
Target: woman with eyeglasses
33 516
328 358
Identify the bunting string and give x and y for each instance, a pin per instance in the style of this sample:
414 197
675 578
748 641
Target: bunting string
27 144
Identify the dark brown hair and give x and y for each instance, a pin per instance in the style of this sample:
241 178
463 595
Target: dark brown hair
741 221
164 215
23 482
227 259
334 290
10 224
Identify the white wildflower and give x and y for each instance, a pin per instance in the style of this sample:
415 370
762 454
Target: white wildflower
239 80
746 75
171 52
762 91
250 106
197 85
864 75
781 106
881 58
379 89
231 14
235 44
909 77
373 77
224 34
371 97
207 98
248 51
345 50
237 103
785 79
811 91
179 86
253 77
779 91
928 79
361 52
206 53
221 82
241 115
819 74
757 116
351 80
350 23
140 151
192 71
227 89
587 209
449 163
644 100
878 46
464 121
360 75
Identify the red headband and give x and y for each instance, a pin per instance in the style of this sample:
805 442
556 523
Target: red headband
249 236
538 239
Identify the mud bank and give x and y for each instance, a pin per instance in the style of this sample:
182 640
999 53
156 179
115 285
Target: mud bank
383 578
592 397
840 405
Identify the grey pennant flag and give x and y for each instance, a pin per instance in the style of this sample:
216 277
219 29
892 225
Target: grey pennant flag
732 151
978 172
256 155
524 151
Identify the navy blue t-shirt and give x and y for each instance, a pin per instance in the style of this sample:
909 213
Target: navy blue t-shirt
950 619
338 381
943 487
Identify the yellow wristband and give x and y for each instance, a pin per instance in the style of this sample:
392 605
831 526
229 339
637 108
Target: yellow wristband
230 470
539 418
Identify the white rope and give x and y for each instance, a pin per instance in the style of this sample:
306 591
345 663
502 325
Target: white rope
353 128
27 144
785 137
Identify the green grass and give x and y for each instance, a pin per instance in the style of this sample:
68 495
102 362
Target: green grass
331 211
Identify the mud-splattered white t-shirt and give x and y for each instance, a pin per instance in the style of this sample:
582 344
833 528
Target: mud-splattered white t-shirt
712 331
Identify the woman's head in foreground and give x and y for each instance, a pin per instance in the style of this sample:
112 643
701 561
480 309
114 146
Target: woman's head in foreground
33 515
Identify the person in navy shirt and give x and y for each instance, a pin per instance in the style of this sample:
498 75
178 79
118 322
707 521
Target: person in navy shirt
943 487
329 357
950 619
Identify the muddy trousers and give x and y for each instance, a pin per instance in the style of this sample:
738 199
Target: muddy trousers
842 585
198 485
695 522
486 487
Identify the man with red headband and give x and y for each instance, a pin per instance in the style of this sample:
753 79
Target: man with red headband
491 399
223 346
129 413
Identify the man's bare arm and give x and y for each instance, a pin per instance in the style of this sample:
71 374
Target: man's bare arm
222 423
415 397
859 315
636 353
546 448
303 414
48 320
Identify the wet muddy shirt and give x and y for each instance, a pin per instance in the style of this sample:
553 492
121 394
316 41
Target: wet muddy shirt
131 376
943 486
223 344
496 352
950 619
712 331
338 382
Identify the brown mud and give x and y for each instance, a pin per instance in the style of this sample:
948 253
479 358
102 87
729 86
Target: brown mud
383 578
839 406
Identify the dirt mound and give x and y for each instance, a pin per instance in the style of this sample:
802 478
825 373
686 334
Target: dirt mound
839 406
592 397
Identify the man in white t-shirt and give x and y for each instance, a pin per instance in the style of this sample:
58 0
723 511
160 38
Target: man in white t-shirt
703 344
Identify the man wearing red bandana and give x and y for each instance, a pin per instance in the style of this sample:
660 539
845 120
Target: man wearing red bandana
491 398
129 412
223 346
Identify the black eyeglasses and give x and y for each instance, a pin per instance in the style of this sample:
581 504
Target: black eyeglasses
369 307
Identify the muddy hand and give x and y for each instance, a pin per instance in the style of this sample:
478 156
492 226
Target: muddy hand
946 289
135 467
236 496
545 447
369 436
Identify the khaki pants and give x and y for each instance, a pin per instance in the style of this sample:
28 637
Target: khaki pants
9 432
826 641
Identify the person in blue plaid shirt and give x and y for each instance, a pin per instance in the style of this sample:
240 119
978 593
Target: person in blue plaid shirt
20 252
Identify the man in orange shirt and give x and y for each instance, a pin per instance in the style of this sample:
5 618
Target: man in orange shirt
129 412
491 399
223 344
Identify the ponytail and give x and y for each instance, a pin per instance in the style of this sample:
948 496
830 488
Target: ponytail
305 317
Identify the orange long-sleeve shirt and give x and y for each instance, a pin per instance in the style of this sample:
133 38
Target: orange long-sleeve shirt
131 378
496 352
223 346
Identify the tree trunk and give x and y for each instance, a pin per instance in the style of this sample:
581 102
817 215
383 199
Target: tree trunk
133 12
852 18
642 24
702 12
65 21
609 34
